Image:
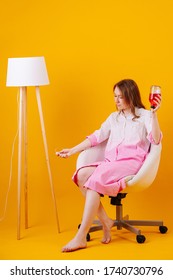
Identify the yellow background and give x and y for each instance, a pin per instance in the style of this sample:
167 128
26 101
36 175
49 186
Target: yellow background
88 46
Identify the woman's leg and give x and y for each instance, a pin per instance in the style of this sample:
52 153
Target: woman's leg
106 222
92 202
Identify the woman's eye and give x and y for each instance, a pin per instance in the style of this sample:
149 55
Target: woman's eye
120 97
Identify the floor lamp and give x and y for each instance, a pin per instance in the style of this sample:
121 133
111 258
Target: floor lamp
24 72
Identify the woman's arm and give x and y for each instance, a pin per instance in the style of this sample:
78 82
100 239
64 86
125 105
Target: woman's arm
156 132
65 153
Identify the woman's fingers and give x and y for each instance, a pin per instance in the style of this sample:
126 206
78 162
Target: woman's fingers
63 153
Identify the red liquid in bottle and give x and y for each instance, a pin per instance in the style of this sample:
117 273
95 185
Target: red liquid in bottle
152 99
155 92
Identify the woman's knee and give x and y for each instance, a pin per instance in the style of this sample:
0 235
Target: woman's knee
83 175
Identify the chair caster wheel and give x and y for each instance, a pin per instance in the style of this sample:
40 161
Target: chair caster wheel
163 229
87 236
140 238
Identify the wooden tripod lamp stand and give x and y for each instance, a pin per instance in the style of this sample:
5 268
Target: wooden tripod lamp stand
24 72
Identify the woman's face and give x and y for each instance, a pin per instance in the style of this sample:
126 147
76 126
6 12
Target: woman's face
120 100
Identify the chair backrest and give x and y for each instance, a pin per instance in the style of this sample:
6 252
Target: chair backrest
142 180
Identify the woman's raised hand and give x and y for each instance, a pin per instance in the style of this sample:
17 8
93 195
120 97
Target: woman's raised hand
157 101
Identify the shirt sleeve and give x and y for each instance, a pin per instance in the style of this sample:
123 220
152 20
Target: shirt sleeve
148 125
101 134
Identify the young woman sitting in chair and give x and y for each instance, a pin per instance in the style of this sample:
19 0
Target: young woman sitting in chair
129 131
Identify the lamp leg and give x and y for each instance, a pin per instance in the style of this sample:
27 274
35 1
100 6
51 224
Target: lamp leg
25 155
19 163
46 152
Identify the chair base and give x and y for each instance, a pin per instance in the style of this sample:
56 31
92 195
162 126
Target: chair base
124 222
128 224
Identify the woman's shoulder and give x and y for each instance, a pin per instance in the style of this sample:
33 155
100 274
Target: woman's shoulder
113 115
143 112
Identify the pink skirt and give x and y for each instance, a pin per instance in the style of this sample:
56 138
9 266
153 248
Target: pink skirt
109 177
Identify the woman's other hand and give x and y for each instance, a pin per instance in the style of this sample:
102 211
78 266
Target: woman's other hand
65 153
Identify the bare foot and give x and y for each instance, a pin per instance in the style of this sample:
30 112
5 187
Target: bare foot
74 244
107 231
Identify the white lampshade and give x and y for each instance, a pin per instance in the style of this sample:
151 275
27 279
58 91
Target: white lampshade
27 71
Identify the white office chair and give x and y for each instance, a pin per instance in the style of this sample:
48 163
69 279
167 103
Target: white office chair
135 183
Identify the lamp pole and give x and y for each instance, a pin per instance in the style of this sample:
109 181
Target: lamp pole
19 163
46 151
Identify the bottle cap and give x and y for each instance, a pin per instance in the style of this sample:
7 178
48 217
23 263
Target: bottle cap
156 89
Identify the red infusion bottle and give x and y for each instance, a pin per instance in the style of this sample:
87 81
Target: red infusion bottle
155 91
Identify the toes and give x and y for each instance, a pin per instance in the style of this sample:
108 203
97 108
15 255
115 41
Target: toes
106 240
72 247
66 250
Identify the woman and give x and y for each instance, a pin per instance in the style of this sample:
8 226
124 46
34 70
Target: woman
129 132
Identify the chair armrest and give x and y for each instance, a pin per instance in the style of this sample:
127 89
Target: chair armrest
147 173
91 155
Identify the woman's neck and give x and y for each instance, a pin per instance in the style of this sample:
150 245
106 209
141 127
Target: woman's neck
127 111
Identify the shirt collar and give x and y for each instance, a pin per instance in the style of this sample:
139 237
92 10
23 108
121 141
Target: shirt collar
128 116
